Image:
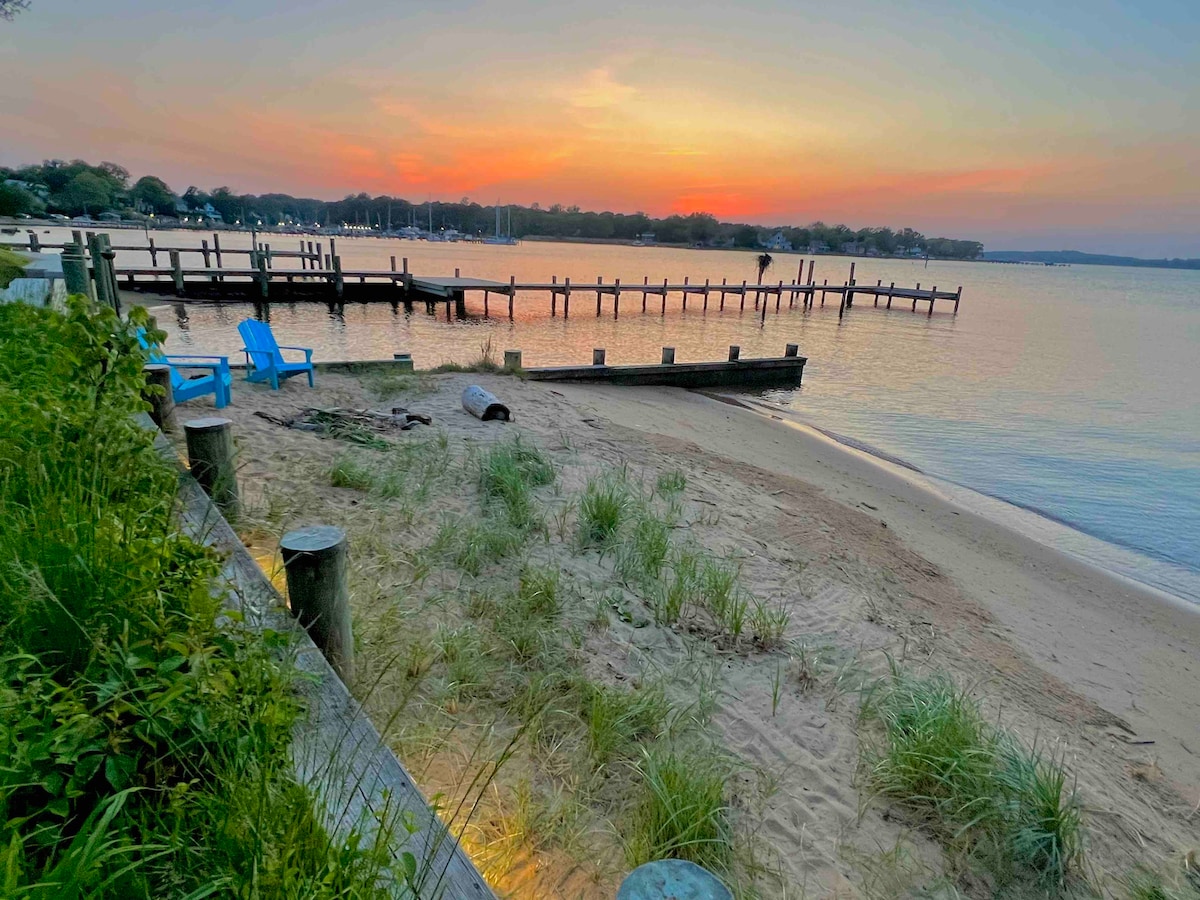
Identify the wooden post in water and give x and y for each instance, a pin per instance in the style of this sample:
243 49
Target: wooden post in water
664 298
566 298
957 298
332 247
403 263
735 352
686 279
823 283
932 296
177 273
599 280
153 254
217 253
339 285
742 308
616 298
645 284
779 295
457 272
162 399
723 294
848 294
811 263
486 295
264 279
512 294
891 289
204 251
914 309
212 463
878 285
393 260
706 295
553 295
842 305
598 356
314 559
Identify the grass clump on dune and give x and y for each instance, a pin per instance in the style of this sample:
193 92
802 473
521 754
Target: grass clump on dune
603 509
509 472
681 811
1008 807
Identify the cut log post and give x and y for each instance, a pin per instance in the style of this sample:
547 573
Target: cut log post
512 294
598 356
393 259
791 350
162 399
484 405
512 360
74 266
212 462
668 356
735 352
314 560
204 252
100 280
34 246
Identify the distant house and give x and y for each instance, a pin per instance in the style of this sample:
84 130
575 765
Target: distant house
209 213
818 247
777 242
647 237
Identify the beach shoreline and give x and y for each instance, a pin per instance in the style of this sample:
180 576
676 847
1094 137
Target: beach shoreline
1132 649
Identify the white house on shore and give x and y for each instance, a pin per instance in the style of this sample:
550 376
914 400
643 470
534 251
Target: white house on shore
777 242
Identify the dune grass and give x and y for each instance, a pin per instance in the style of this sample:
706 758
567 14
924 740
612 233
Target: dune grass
1007 807
603 509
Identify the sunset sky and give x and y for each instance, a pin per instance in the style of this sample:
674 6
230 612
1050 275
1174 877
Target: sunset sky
1026 124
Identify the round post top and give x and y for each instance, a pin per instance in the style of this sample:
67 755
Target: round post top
672 879
312 539
208 423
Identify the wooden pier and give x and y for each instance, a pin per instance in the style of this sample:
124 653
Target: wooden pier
322 278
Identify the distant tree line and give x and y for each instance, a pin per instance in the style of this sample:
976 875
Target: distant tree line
77 188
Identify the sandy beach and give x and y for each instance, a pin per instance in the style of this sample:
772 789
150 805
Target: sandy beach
871 566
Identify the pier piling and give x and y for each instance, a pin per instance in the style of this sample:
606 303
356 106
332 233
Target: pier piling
212 462
314 560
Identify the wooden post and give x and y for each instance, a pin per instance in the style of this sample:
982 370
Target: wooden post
34 246
778 296
599 280
616 298
566 298
932 298
339 285
598 356
706 295
891 289
314 559
332 247
842 305
668 356
735 352
957 298
303 258
217 253
686 279
457 272
77 237
153 254
914 309
742 308
791 350
486 295
264 280
177 273
645 284
211 460
512 360
664 298
393 259
722 294
204 251
878 285
74 266
512 293
811 263
799 278
403 263
162 400
99 276
553 295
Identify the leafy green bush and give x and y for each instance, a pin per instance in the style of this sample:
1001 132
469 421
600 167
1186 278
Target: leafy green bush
146 750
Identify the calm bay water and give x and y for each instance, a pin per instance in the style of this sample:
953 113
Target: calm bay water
1072 392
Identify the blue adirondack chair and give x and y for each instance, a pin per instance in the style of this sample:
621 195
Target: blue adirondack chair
217 382
264 361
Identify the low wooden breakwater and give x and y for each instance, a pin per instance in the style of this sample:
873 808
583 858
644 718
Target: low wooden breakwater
321 277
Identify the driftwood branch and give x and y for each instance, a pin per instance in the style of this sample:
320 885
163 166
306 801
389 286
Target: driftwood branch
357 425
